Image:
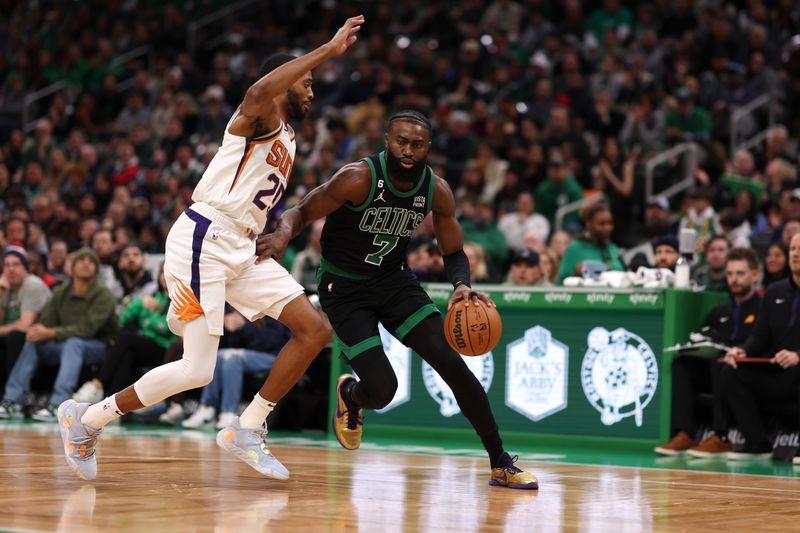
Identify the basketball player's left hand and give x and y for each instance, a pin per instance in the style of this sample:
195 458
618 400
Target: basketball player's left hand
470 296
346 36
270 245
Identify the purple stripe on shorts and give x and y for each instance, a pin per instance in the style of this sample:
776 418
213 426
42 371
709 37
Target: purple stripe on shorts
200 230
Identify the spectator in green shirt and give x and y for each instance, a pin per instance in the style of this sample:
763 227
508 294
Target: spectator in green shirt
595 245
611 16
688 122
559 189
482 229
740 176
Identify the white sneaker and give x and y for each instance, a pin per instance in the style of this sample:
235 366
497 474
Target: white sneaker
173 414
88 393
45 414
204 415
225 419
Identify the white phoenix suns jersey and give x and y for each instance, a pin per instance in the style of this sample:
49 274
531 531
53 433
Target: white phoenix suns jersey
248 175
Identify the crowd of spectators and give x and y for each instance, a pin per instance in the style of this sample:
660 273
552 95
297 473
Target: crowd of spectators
535 105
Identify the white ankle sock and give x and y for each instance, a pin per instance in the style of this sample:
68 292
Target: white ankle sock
101 413
253 417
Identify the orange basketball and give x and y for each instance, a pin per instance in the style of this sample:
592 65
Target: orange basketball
473 329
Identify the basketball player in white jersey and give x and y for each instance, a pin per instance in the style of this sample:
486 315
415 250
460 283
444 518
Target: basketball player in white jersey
210 259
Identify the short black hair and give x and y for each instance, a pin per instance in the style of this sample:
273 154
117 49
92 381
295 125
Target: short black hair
274 61
411 115
591 210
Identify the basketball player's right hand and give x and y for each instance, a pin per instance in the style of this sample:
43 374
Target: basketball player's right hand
469 295
270 245
346 36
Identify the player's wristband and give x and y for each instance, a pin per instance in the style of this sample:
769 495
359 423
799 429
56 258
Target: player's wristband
456 268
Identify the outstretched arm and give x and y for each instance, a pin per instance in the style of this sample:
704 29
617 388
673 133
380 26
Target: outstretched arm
257 113
351 184
451 244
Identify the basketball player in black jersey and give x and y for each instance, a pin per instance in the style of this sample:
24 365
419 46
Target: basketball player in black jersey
372 208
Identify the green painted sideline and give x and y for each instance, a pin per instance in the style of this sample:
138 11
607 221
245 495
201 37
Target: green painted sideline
510 438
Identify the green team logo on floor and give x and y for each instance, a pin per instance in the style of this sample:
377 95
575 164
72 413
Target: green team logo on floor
619 374
482 367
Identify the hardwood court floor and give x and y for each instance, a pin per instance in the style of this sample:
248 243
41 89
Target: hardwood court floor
177 484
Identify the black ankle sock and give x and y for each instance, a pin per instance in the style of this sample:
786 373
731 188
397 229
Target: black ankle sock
347 393
494 446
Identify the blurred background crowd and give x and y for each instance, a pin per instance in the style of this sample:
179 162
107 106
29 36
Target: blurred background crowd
571 132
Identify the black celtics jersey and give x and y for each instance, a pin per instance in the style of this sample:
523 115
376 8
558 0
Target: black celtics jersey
362 241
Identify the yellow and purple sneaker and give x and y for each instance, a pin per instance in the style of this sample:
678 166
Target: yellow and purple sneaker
508 475
348 420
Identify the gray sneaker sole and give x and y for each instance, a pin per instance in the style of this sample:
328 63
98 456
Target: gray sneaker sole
242 455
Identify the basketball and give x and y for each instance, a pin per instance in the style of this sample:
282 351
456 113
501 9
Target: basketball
474 329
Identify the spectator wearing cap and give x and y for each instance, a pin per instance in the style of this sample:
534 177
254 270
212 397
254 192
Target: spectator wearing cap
559 189
657 223
22 298
73 330
711 274
526 270
687 122
595 245
667 252
516 225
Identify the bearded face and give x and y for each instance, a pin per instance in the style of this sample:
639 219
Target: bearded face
407 145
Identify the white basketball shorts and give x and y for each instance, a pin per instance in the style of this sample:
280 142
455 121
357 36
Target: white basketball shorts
209 260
